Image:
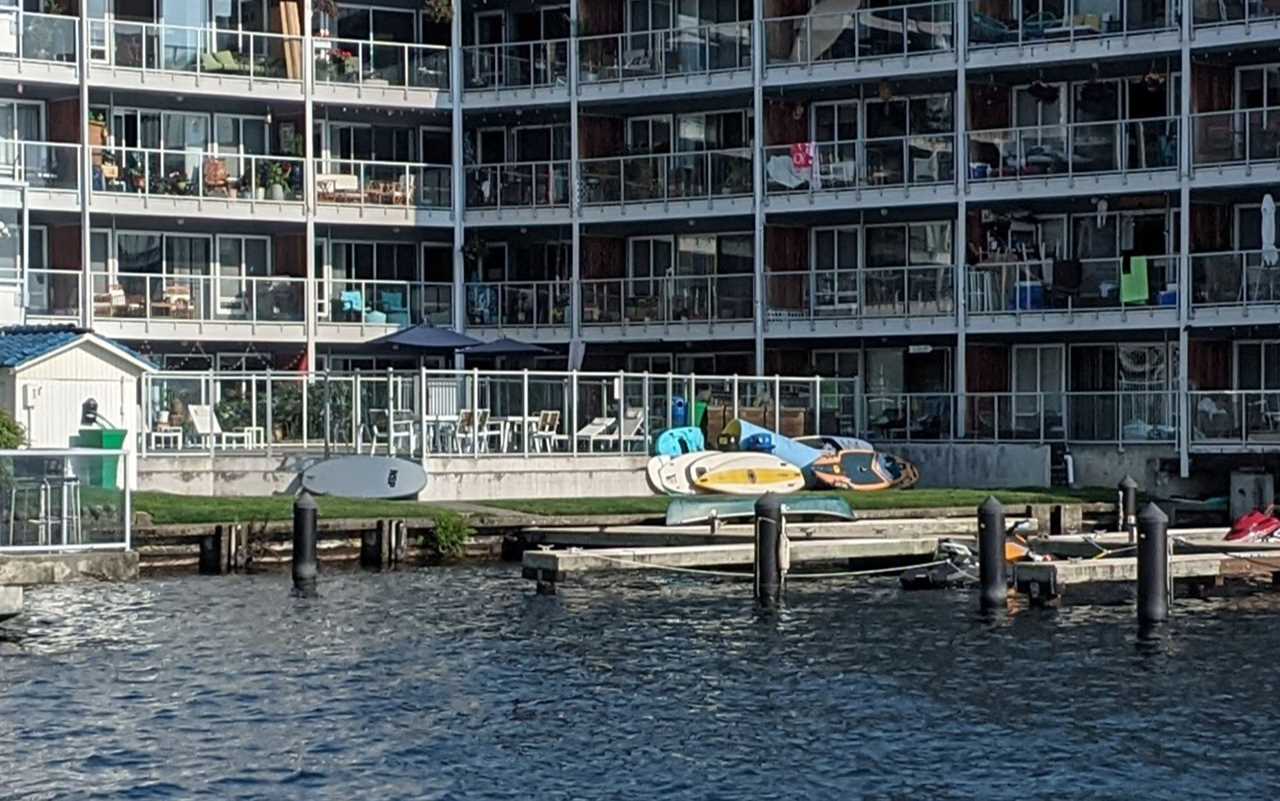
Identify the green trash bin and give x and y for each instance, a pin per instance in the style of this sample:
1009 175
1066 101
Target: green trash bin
105 471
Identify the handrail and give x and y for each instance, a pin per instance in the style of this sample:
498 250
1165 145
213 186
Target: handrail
1251 135
1232 14
370 301
44 37
203 174
507 65
203 50
1235 278
684 175
383 183
39 164
518 184
666 299
865 292
661 53
518 303
914 32
910 160
368 63
1020 28
1021 286
1073 148
194 297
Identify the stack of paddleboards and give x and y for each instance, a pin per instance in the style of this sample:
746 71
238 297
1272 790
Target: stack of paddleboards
730 473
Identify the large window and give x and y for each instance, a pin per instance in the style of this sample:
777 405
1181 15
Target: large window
649 257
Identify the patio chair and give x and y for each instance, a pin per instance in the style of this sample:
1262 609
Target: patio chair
596 431
470 426
209 432
544 437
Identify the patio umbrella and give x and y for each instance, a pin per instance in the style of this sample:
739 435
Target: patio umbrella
505 347
424 337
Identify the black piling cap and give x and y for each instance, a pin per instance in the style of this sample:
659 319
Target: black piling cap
990 505
769 505
1127 483
304 501
1152 514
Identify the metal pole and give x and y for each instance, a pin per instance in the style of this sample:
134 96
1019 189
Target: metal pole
422 412
770 544
328 412
1127 508
524 413
994 591
304 545
210 552
270 432
1153 565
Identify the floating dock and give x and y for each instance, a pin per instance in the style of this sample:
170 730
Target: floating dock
1058 581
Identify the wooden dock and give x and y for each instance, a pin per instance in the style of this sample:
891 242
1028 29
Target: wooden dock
1053 582
550 567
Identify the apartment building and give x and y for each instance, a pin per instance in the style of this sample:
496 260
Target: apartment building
1021 220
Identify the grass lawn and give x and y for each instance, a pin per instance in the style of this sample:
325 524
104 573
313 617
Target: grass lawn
169 509
860 501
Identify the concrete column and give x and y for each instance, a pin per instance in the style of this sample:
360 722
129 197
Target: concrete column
459 174
575 184
960 278
312 323
86 178
757 171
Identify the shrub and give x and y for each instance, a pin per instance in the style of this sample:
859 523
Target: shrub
11 433
450 535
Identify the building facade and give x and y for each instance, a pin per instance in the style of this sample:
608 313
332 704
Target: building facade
1045 220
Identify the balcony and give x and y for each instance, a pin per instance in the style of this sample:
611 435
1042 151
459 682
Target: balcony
518 193
353 310
1059 294
701 58
914 38
42 47
180 182
1240 145
177 58
1131 417
875 300
702 306
537 309
382 192
388 73
516 72
707 181
1135 155
1013 32
1235 288
1233 22
51 171
891 170
1236 421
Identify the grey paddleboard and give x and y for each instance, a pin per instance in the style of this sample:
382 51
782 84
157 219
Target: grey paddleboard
374 477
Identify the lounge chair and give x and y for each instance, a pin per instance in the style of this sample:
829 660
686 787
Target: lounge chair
209 431
596 431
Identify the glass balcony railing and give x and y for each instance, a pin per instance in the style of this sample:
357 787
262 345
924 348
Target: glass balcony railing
526 185
860 163
1233 12
910 416
993 23
381 64
1037 287
53 293
517 65
202 51
1236 137
1244 417
669 299
172 297
668 176
860 34
383 183
38 37
1238 278
191 173
1131 416
40 165
392 303
923 291
518 303
1078 148
664 53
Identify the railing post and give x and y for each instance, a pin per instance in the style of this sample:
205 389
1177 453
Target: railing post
573 412
735 396
777 403
475 412
524 413
817 404
622 411
306 394
422 413
671 398
269 433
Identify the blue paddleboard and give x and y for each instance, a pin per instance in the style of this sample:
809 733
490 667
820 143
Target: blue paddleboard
741 435
374 477
678 441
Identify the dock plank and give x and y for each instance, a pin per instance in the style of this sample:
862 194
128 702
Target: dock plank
1052 578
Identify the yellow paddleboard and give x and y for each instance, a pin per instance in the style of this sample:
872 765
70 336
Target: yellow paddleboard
745 474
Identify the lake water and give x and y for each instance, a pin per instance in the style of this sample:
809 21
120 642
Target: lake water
460 683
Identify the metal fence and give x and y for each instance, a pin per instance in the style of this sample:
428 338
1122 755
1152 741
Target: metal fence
64 500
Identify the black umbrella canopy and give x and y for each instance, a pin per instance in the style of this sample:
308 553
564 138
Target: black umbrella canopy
425 337
505 347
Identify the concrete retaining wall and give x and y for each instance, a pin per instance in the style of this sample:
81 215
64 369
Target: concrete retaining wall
1106 465
35 569
10 602
976 464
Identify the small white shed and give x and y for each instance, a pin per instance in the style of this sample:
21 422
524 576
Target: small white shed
48 372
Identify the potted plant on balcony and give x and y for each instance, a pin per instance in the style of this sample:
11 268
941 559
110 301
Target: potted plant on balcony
271 180
438 10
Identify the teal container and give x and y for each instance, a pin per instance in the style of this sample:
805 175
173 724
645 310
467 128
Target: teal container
105 470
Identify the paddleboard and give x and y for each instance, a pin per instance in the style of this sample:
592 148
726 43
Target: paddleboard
677 441
374 477
684 511
904 473
741 435
745 473
852 470
834 444
670 474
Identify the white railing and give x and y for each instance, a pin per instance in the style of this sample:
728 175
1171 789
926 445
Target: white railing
1107 416
919 291
383 183
810 167
1036 151
517 65
196 174
1236 137
668 176
861 34
159 47
695 50
509 304
667 299
390 303
199 298
40 165
1235 278
1017 23
365 63
39 37
1036 287
65 500
527 184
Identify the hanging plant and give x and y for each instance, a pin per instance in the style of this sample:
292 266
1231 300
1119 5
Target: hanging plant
328 8
438 10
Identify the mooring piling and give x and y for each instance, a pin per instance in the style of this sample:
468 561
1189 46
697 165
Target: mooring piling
211 553
1127 507
768 561
304 544
994 593
1153 565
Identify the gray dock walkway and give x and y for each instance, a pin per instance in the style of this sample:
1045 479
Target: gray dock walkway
10 602
1052 581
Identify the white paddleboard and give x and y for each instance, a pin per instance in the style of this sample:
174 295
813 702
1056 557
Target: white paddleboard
671 473
745 473
374 477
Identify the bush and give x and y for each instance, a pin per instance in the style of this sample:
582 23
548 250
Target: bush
450 535
11 433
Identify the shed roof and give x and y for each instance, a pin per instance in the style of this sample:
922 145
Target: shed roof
21 345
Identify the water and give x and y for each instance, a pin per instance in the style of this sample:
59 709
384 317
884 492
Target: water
463 684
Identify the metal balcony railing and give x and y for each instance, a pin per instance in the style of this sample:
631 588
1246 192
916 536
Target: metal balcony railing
860 163
507 304
1073 149
40 165
667 176
371 64
1038 287
196 174
526 185
390 303
1235 278
860 34
1236 137
667 299
696 50
39 37
1014 22
383 183
920 291
160 47
1233 12
1235 417
517 65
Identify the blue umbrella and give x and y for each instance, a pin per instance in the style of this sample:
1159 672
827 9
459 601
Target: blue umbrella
425 337
505 347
